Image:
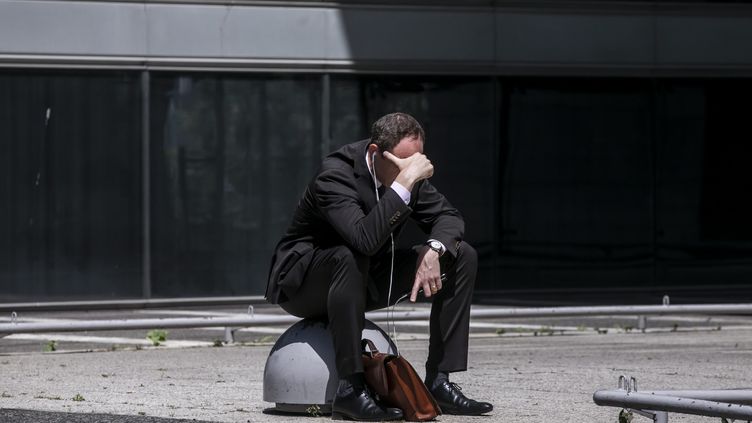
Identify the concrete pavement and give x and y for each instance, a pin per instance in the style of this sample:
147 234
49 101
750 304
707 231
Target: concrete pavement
540 375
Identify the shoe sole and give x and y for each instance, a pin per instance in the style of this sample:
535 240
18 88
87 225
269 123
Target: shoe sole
455 412
340 416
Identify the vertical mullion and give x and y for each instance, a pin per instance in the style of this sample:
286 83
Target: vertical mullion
653 94
146 288
326 117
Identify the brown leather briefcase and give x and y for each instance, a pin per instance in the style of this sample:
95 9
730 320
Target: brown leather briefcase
396 383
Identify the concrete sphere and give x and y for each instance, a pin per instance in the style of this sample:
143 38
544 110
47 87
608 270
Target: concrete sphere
300 371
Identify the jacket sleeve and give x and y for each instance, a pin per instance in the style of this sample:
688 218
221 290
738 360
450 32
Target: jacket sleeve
436 217
338 200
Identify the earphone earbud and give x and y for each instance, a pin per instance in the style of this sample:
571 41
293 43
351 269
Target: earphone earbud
373 174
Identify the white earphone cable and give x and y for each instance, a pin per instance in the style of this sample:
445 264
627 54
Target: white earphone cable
391 267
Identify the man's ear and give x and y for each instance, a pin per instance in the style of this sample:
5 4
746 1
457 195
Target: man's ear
372 148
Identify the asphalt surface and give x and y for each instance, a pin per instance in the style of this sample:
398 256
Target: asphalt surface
531 369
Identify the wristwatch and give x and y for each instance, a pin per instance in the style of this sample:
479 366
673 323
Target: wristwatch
436 246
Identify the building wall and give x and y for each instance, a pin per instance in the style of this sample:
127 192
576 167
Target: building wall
549 37
158 149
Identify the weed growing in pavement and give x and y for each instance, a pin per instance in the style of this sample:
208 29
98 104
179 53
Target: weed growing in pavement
625 416
218 343
157 336
78 398
56 398
50 346
314 410
264 339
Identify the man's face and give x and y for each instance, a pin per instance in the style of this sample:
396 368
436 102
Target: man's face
406 147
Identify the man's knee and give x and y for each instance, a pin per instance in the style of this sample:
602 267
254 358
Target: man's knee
348 285
467 254
347 259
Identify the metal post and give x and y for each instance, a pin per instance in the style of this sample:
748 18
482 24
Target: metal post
230 335
656 416
642 323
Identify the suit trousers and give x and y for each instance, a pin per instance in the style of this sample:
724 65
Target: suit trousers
336 287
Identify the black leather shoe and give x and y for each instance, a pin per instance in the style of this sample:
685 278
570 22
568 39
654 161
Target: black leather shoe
452 401
358 405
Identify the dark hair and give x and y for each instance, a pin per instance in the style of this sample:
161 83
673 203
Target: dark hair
390 129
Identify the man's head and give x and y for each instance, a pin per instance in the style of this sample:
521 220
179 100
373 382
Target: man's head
399 134
390 129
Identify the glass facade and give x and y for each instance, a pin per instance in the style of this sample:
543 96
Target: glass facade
230 157
567 185
70 185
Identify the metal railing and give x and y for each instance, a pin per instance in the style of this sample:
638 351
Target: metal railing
250 320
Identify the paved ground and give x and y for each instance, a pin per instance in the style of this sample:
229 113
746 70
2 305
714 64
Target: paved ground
536 370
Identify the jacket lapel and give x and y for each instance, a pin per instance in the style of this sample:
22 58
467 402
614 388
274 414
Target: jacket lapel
364 180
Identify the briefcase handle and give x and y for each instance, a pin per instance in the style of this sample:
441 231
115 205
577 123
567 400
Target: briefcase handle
371 347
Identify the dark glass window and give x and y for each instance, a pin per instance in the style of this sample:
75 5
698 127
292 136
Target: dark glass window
230 158
567 185
705 177
576 184
70 185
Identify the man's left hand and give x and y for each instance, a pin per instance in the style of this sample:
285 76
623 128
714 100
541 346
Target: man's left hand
428 275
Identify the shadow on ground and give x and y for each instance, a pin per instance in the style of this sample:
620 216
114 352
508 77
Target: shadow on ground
29 416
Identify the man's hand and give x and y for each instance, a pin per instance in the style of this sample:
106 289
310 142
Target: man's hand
412 169
428 275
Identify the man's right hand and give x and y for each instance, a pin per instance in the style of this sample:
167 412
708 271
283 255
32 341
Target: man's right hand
412 169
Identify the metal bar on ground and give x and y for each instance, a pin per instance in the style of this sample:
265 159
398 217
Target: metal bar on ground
674 404
735 396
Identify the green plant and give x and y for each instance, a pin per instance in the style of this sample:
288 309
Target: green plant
78 398
264 339
50 346
314 410
625 416
56 398
218 343
157 336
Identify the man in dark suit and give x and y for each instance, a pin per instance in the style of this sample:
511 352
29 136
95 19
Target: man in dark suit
337 259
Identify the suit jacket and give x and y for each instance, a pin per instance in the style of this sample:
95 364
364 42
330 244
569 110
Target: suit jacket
339 207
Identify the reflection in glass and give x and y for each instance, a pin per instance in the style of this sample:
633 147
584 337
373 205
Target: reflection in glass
230 157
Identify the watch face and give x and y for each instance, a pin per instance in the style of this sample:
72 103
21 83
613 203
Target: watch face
435 245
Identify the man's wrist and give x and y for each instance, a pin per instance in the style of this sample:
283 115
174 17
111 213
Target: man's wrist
437 246
405 181
403 192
